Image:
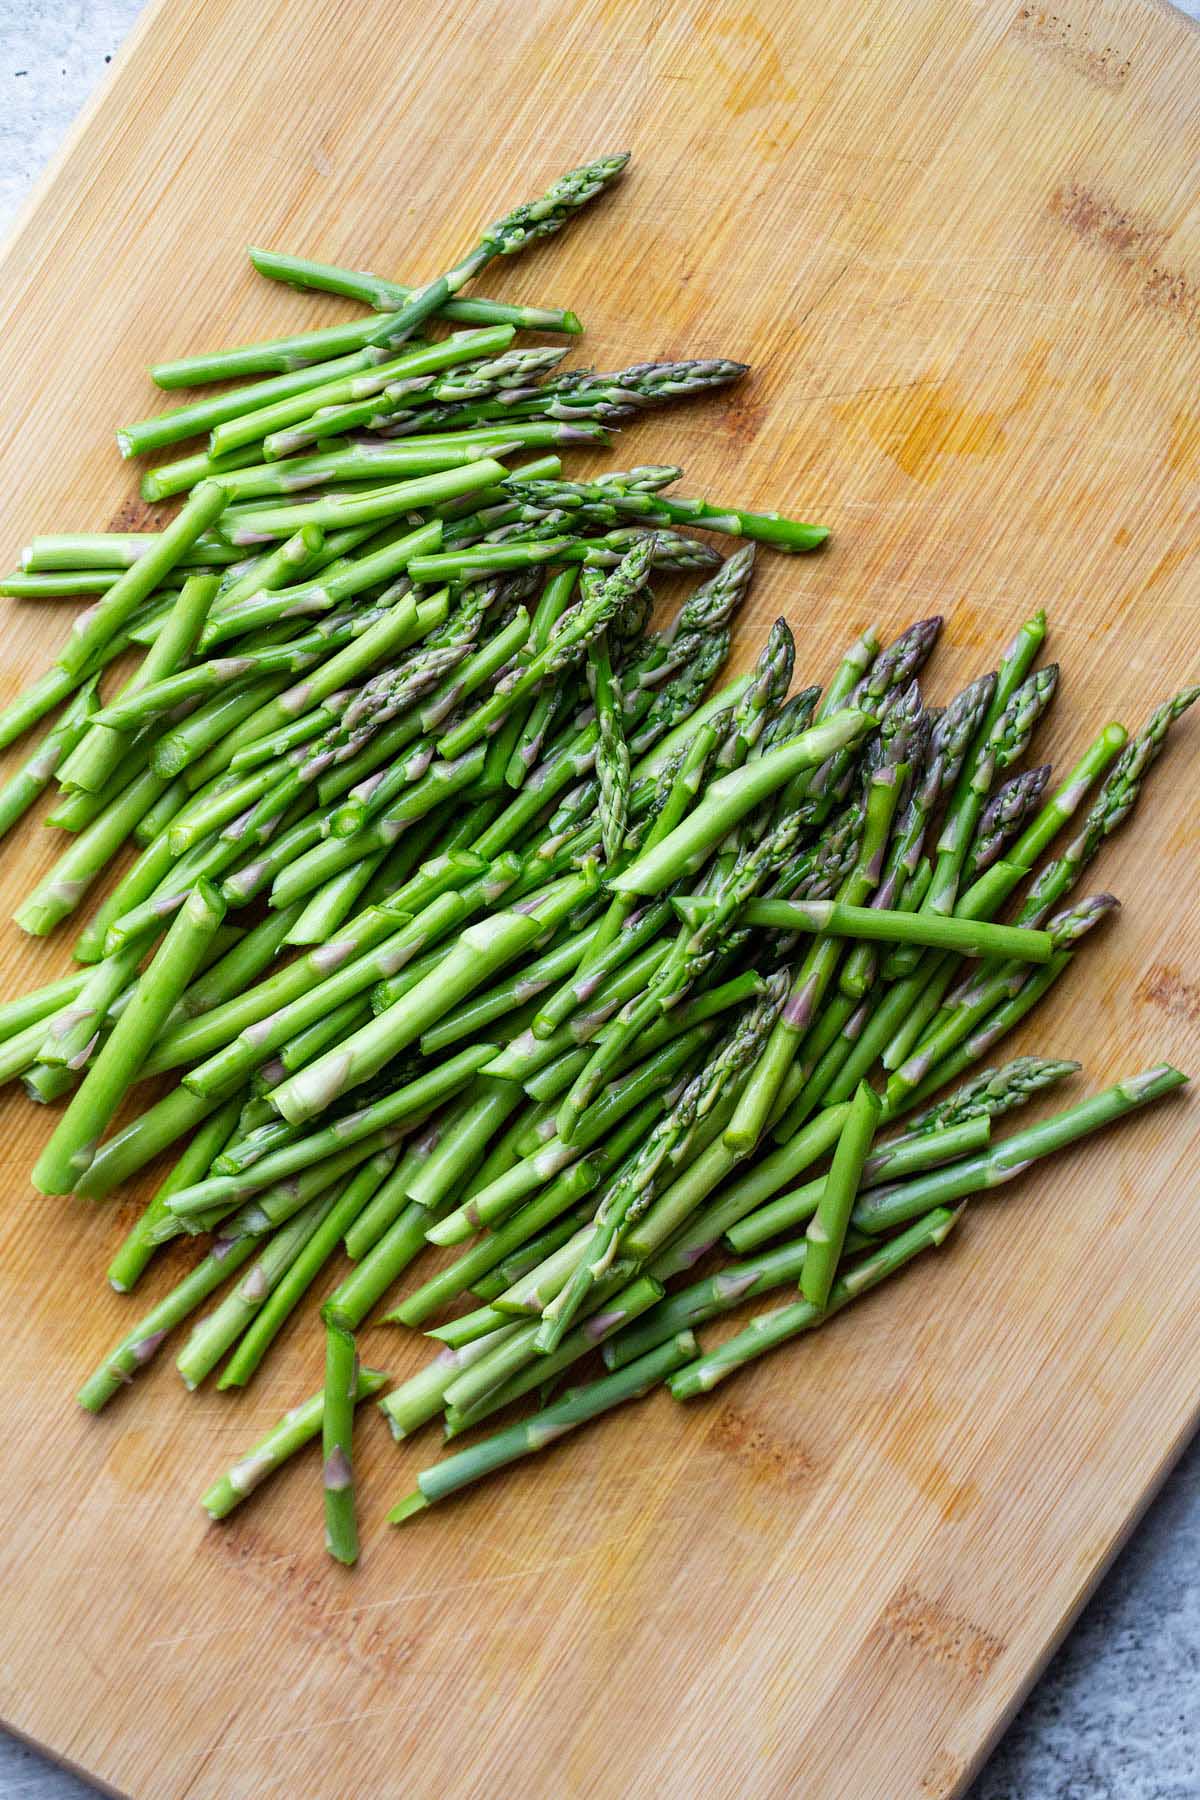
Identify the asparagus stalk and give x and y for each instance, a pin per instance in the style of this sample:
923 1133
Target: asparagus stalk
96 628
965 937
76 1138
337 1435
359 378
617 394
97 756
213 1336
533 1434
140 1345
604 503
296 1428
59 744
902 1156
828 1225
770 1329
139 1245
884 1208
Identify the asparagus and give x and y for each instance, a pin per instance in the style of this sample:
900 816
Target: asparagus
296 1428
416 1400
884 1208
96 628
98 755
728 799
78 1133
615 395
612 750
28 1010
828 1225
213 1335
1112 807
59 744
992 1093
480 951
887 773
904 1155
575 1408
853 1057
710 1297
668 549
337 1432
966 937
258 524
603 503
351 378
142 1343
570 639
1003 816
139 1245
617 1310
1014 707
770 1329
304 349
512 371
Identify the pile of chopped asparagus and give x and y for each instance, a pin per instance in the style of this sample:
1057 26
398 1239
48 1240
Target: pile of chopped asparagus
471 907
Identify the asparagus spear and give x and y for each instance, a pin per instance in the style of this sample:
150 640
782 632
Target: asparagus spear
602 503
296 1428
337 1433
59 744
138 1246
75 1140
828 1225
613 396
96 628
966 937
612 751
1112 807
885 1207
770 1329
533 1434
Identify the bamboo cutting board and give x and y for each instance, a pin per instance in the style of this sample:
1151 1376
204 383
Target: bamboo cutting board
960 242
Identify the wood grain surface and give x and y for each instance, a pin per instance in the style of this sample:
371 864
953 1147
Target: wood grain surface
960 243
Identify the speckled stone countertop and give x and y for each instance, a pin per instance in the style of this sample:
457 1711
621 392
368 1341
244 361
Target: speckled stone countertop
1116 1716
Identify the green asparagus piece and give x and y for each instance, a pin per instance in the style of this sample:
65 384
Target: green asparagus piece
353 383
296 1428
140 1345
612 751
213 1335
966 937
100 753
77 1136
829 1222
575 1408
337 1440
902 1156
770 1329
884 1208
603 503
94 629
59 744
138 1246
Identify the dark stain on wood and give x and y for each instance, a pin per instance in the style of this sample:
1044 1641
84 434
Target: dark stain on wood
759 1451
1135 243
912 1619
1164 986
1070 42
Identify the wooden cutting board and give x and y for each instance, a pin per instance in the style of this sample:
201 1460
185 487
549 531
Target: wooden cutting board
960 243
